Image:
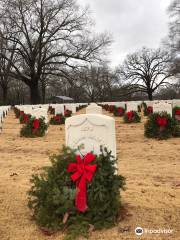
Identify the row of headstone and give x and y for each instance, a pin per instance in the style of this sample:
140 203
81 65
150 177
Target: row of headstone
158 105
3 113
88 132
59 108
36 111
42 109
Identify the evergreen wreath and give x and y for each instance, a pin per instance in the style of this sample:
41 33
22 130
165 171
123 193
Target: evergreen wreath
51 110
143 105
111 108
119 111
67 113
176 113
132 117
176 129
106 107
161 126
34 128
57 120
139 108
17 112
53 195
80 107
148 110
24 118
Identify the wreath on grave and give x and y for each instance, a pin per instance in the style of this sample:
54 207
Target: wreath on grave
58 119
147 109
34 128
176 113
77 194
132 117
24 118
67 113
111 108
161 126
106 107
119 111
51 110
4 114
139 108
80 107
17 112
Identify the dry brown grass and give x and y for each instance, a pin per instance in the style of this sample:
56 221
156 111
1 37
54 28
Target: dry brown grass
152 170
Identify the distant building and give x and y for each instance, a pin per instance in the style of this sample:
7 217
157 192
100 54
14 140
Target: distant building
60 99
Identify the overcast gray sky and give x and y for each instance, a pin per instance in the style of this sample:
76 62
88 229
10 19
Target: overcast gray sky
133 23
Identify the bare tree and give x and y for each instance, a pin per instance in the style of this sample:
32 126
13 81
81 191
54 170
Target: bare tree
96 81
7 58
146 70
174 35
51 36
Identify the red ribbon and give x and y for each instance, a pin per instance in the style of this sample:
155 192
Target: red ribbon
82 172
36 124
177 112
161 121
130 115
57 118
149 109
26 118
120 110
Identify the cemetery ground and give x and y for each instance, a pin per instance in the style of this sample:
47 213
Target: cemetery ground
151 168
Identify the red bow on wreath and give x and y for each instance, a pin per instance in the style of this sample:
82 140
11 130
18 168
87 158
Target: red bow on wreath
57 118
35 124
82 172
149 109
161 121
130 115
177 112
120 110
26 118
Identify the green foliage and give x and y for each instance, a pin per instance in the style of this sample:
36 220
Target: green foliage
176 109
21 119
176 129
139 108
28 131
52 196
134 119
153 130
17 112
144 107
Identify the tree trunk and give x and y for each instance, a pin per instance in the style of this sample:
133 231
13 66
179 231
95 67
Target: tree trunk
5 91
43 92
43 95
150 95
34 93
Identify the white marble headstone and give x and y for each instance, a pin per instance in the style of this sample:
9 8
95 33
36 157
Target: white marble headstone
92 131
132 106
162 107
94 108
176 103
59 109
